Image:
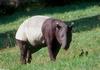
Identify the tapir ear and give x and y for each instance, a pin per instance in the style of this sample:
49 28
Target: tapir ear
58 26
71 26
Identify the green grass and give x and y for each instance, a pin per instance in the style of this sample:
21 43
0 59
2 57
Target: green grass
86 36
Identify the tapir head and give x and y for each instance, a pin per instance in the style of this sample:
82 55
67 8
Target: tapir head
64 34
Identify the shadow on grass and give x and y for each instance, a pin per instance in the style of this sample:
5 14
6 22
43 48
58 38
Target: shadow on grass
86 24
7 39
42 11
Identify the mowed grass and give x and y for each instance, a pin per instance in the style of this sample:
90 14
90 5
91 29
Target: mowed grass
86 37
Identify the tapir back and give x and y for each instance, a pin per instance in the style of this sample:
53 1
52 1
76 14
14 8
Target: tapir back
30 29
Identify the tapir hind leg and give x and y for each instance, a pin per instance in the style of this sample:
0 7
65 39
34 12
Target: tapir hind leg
29 56
23 50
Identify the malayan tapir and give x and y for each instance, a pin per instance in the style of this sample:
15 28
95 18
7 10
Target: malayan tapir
39 31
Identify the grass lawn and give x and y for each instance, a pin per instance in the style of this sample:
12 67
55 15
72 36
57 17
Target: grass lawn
86 37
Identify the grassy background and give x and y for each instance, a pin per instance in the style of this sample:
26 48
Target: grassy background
86 36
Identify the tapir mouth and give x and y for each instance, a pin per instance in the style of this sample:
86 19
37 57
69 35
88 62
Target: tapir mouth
67 46
63 46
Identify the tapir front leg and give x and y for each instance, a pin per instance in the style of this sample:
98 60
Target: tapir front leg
53 48
51 55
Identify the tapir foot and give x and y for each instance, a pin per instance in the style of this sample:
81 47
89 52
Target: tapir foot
29 61
53 59
23 61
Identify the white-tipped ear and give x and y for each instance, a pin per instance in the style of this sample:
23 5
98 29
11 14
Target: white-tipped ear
72 24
